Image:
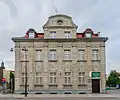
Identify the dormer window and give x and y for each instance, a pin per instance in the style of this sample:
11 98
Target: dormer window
31 33
88 34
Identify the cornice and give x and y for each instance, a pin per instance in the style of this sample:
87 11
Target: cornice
21 39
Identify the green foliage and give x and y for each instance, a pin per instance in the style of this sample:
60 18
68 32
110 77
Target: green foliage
113 79
11 75
12 82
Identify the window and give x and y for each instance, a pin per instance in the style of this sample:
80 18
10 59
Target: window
67 34
88 34
23 78
31 35
52 55
52 34
38 55
38 78
95 54
81 54
67 77
24 55
67 55
81 78
52 77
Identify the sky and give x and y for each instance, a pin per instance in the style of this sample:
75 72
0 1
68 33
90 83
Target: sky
17 16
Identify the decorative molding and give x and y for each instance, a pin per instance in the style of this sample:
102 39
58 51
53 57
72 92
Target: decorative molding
39 61
81 60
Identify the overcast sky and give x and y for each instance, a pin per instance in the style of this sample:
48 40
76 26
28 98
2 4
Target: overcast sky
17 16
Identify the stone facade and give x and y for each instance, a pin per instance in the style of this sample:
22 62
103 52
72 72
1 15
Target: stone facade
61 72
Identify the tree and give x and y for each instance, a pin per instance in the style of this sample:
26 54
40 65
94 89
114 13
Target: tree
113 79
12 81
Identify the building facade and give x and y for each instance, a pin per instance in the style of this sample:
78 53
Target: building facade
60 60
2 67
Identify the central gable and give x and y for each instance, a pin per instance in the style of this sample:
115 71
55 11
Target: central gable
60 21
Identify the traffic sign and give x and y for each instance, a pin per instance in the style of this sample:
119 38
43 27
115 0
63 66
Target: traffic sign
3 80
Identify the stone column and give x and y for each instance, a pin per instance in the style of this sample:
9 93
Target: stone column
17 67
46 73
103 68
30 66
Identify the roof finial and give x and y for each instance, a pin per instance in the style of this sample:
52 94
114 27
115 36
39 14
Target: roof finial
54 8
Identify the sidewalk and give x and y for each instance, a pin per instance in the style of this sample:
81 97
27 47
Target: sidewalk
57 95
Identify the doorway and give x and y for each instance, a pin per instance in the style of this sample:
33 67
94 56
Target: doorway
95 85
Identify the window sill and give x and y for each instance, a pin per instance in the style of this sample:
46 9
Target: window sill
52 60
67 84
52 84
67 60
38 60
95 60
23 85
81 60
38 85
82 84
24 60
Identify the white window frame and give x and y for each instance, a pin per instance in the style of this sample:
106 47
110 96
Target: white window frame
67 34
67 54
67 78
53 78
23 78
52 34
31 35
95 54
38 55
81 54
38 78
23 54
81 78
52 54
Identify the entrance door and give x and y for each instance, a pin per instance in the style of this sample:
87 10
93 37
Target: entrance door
95 86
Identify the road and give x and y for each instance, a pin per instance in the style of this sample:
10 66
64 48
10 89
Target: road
65 98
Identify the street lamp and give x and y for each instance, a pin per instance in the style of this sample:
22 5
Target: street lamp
24 49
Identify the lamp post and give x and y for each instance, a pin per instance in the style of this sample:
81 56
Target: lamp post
24 49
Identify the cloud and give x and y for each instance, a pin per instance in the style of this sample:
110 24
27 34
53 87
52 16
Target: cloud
17 16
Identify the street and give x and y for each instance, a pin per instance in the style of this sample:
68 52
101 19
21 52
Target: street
65 98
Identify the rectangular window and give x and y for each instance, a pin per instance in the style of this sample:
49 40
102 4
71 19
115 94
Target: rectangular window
95 54
67 54
81 78
38 55
67 77
81 54
52 34
67 34
24 55
38 78
23 78
52 55
52 77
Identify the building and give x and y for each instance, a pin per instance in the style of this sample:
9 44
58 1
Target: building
60 60
6 74
2 67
